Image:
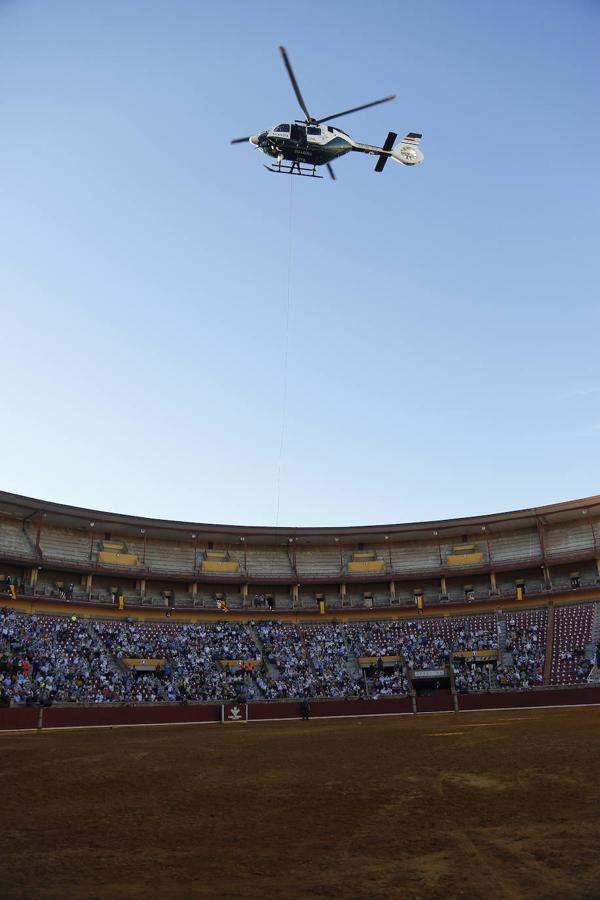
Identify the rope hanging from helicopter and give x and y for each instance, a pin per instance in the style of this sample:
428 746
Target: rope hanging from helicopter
286 347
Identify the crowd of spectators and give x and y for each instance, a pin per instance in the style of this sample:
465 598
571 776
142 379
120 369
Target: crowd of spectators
471 676
191 652
65 659
385 682
44 659
416 646
328 654
311 663
526 644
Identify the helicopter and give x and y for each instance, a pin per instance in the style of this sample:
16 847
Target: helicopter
299 147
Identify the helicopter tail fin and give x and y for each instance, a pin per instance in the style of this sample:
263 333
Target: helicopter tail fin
389 143
407 151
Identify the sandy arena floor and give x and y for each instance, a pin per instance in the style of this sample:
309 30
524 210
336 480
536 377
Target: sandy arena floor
483 805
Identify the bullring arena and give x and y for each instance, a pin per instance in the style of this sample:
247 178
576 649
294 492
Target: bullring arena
448 669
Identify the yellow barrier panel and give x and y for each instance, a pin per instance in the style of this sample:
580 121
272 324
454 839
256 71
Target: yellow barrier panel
464 559
117 559
371 660
371 565
135 663
213 565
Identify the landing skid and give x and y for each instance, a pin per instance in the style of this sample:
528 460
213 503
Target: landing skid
285 167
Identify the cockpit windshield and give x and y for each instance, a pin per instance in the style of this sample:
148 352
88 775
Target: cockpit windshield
282 128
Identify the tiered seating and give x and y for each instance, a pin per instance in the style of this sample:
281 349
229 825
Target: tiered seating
192 652
465 633
572 631
164 556
63 660
526 646
414 557
375 639
327 652
13 540
273 563
518 545
45 658
284 650
65 543
417 644
560 540
318 561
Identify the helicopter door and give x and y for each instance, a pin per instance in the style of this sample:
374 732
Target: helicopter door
298 134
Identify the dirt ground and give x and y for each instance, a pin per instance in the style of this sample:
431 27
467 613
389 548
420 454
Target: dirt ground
483 805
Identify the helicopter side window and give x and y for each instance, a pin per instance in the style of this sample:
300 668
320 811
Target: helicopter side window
282 128
314 131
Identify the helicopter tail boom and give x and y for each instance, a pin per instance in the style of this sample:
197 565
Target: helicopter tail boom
406 152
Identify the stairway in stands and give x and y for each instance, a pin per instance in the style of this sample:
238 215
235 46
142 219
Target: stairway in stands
505 655
351 662
271 669
114 664
549 644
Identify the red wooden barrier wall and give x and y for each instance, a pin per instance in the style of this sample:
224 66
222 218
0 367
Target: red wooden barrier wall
12 719
558 697
83 716
440 701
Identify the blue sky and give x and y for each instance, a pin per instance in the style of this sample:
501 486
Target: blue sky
443 321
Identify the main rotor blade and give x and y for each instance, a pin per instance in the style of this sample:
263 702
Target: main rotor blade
299 96
356 109
240 140
331 172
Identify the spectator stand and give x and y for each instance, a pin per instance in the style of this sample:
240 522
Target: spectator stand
574 643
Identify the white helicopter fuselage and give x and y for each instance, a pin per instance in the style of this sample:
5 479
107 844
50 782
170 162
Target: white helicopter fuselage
321 144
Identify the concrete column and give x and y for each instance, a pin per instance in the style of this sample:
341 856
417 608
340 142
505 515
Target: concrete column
547 577
143 587
33 576
343 592
493 586
392 591
88 584
598 564
295 594
443 584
